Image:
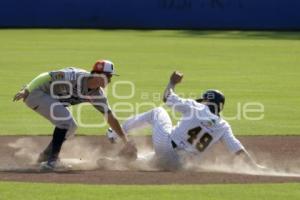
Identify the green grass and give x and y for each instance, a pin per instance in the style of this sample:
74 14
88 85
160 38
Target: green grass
247 66
28 191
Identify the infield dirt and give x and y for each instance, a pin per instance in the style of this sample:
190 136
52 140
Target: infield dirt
279 153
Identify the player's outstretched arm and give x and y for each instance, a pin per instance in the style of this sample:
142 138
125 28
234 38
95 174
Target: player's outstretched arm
115 125
129 151
244 155
35 83
175 78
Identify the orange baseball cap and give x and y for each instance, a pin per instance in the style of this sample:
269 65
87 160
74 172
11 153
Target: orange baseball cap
104 66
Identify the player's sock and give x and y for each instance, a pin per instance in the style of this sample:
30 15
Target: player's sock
44 156
59 136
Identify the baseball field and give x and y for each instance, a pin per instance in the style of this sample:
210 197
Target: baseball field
257 71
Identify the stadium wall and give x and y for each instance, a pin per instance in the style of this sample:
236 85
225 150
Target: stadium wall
151 14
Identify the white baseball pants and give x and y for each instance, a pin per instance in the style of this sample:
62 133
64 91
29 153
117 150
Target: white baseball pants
161 124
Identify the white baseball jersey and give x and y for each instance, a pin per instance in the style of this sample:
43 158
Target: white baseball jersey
198 128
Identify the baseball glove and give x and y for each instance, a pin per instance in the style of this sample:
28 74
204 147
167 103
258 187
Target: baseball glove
128 152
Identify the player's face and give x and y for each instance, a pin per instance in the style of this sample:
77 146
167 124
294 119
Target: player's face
108 77
99 80
95 82
105 80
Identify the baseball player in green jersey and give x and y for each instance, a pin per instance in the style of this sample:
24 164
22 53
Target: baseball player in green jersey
50 93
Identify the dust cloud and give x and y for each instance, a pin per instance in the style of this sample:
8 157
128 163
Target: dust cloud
85 154
226 163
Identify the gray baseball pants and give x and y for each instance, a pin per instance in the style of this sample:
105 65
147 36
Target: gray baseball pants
52 109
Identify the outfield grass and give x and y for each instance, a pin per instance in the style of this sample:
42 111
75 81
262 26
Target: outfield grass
29 191
247 66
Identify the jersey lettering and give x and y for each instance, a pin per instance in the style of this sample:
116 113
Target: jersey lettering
203 142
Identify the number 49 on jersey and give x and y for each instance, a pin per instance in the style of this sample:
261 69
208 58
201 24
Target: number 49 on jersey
202 142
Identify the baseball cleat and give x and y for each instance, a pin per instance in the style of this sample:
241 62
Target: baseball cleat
55 165
42 157
111 135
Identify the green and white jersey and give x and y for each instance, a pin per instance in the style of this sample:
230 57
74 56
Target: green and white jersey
69 86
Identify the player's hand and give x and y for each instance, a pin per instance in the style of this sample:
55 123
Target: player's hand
22 94
261 167
129 151
176 77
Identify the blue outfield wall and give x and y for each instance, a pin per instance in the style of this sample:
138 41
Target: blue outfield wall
158 14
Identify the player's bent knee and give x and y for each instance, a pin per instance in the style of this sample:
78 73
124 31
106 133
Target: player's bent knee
159 110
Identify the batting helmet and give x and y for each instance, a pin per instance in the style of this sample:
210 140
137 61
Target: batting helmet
215 99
